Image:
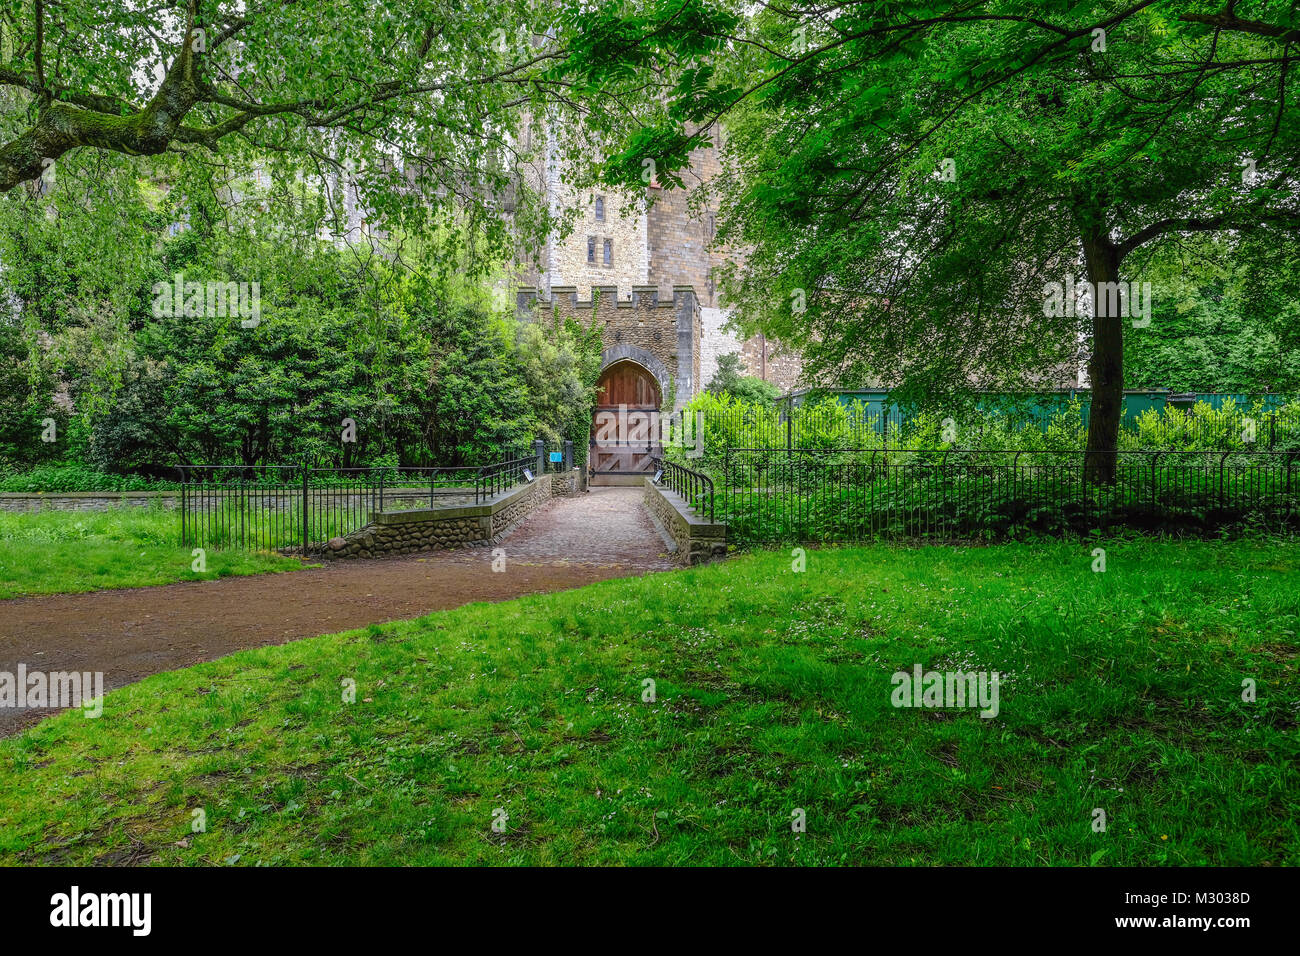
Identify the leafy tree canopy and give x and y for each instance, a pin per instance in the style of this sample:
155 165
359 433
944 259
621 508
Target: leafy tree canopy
416 356
403 107
1205 333
730 379
907 178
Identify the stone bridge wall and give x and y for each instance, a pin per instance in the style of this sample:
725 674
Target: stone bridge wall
698 540
432 529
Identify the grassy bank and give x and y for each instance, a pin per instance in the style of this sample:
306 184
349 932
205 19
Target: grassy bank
52 552
1121 691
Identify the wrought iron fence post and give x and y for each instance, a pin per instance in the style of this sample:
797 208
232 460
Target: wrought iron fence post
184 507
1290 501
1155 460
726 476
306 476
1015 481
1223 496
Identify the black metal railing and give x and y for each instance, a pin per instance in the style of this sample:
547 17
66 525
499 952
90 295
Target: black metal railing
298 508
500 477
855 494
693 487
854 425
253 509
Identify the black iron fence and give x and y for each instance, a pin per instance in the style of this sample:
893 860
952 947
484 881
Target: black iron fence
297 508
856 494
693 487
492 480
1196 426
557 456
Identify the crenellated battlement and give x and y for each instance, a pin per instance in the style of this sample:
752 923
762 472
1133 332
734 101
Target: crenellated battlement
658 329
640 296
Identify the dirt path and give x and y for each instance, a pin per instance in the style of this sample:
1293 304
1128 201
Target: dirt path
128 635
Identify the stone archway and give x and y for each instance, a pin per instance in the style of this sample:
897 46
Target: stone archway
647 360
625 422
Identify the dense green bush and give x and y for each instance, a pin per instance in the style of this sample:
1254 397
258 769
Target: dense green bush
419 362
728 422
55 478
729 379
936 498
1206 428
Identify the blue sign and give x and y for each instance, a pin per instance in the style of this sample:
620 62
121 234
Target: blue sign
557 456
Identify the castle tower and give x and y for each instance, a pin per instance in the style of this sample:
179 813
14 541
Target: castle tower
666 248
652 276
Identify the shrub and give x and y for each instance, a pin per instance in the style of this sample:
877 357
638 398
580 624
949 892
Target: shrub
55 478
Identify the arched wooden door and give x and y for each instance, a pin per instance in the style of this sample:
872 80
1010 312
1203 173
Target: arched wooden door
625 424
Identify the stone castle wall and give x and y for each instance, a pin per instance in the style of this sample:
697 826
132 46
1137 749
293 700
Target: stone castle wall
680 227
669 245
776 364
659 329
767 359
563 262
569 266
715 342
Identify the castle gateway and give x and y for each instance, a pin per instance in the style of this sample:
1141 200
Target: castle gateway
650 364
648 280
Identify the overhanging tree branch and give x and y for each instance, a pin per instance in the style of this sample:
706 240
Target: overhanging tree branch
1232 23
1243 221
251 84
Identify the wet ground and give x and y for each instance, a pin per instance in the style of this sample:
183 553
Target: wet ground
129 634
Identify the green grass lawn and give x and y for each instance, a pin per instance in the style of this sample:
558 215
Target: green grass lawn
51 552
1122 691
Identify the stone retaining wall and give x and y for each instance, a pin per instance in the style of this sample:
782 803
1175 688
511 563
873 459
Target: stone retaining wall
279 497
514 509
566 483
430 529
85 500
698 540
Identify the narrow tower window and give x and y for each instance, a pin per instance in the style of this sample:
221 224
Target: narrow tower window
609 252
600 208
591 248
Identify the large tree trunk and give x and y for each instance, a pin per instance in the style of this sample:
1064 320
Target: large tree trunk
1106 365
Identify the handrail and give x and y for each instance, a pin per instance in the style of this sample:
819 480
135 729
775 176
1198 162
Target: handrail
695 487
302 507
492 479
